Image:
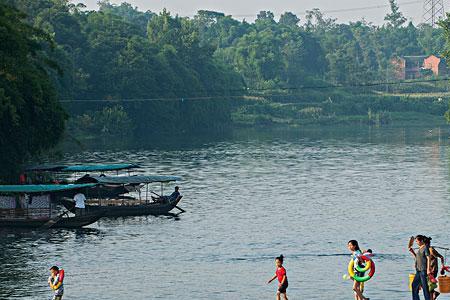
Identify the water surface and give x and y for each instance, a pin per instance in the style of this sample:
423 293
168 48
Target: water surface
251 196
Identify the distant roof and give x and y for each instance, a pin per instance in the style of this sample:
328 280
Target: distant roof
132 179
83 168
41 188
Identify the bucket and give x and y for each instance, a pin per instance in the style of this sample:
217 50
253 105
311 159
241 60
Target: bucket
444 284
411 279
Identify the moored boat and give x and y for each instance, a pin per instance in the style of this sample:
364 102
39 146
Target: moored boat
137 201
58 173
35 206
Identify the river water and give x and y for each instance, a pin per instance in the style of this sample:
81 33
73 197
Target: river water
251 196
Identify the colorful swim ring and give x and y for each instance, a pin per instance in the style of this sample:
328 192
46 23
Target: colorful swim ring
369 265
60 280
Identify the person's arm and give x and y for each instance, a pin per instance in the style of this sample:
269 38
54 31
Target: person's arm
272 279
428 265
410 246
438 255
283 281
427 254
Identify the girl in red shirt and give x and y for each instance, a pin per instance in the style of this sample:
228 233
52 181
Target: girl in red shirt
280 273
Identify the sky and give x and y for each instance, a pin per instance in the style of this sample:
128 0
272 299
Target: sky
344 10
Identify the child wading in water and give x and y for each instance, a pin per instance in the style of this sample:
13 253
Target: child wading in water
55 283
280 273
356 254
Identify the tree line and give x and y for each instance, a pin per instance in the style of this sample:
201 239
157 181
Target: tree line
57 50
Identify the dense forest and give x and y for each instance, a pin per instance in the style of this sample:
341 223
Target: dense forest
31 118
120 71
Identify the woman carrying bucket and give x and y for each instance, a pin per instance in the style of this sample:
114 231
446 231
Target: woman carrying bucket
423 267
434 268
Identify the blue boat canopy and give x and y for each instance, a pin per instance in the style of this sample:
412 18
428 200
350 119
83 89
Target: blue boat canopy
46 168
42 188
130 179
83 168
105 167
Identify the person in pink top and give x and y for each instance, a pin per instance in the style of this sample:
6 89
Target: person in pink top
280 274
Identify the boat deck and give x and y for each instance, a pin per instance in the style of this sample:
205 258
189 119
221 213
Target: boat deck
119 202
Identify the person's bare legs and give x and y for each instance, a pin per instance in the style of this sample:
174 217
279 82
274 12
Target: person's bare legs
278 295
357 290
434 294
354 290
285 296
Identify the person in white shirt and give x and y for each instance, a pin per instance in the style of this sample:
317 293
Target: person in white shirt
80 206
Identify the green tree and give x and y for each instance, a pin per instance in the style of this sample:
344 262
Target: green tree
289 19
395 18
31 117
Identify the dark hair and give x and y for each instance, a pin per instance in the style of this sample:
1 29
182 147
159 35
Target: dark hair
280 258
420 237
54 268
369 251
424 239
355 243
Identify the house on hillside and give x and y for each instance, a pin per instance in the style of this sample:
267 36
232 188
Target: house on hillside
436 64
407 67
413 67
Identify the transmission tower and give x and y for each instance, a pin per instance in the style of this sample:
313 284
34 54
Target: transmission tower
433 11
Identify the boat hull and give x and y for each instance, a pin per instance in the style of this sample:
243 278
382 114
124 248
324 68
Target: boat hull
132 210
68 222
77 222
154 208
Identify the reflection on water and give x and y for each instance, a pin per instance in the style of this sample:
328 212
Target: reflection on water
251 196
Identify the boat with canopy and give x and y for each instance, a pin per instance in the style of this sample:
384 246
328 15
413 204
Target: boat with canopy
61 173
135 200
64 174
36 206
83 168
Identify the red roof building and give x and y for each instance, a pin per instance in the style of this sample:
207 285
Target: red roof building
413 67
436 64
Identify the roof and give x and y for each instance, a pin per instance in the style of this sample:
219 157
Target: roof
133 179
83 168
41 188
93 168
415 58
42 168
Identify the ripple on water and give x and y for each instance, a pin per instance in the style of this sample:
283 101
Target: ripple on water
250 199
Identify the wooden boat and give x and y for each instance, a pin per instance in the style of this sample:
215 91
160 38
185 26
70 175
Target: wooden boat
123 204
113 209
55 222
34 206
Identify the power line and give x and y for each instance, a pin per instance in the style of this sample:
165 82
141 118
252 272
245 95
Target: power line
350 9
247 91
370 7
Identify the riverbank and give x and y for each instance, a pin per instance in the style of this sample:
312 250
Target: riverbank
343 109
